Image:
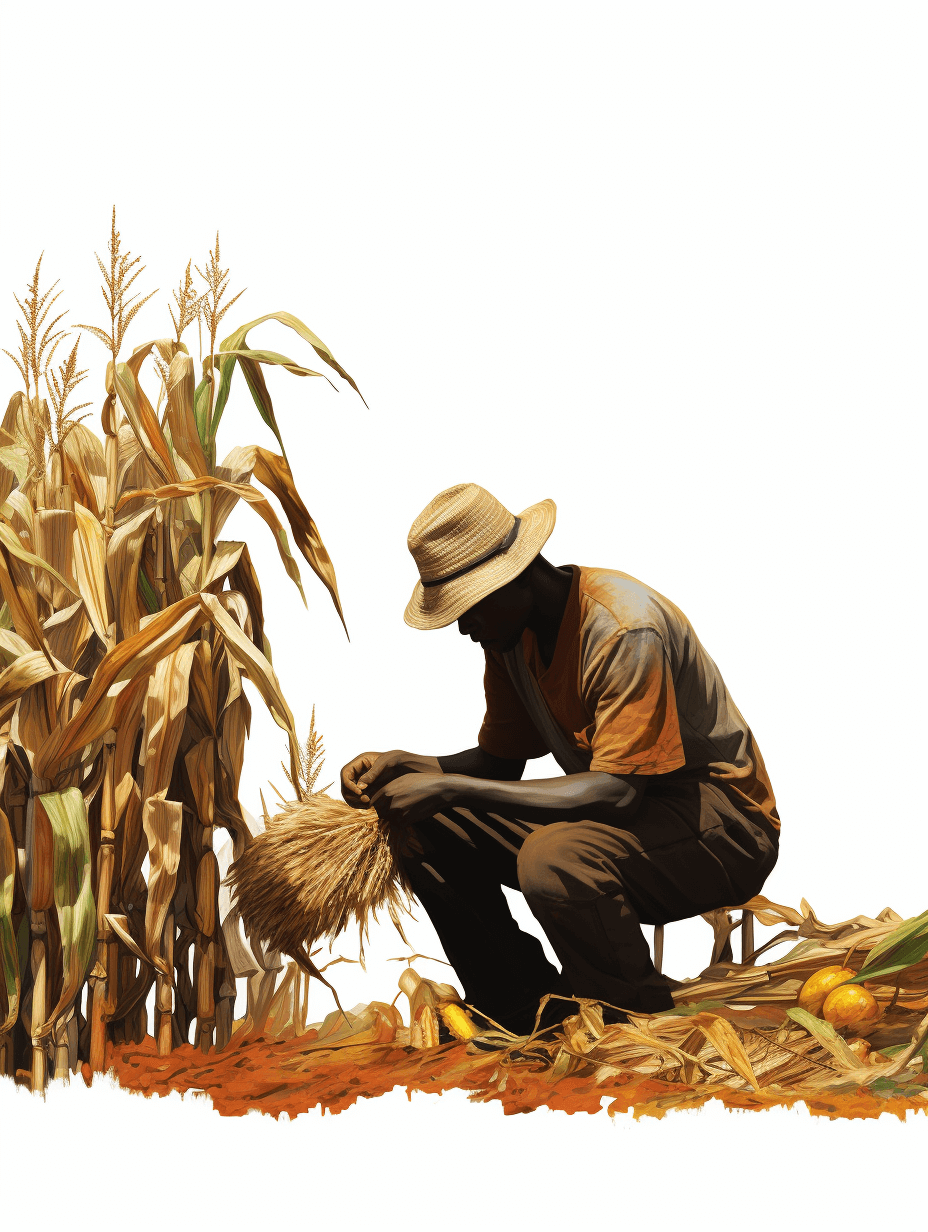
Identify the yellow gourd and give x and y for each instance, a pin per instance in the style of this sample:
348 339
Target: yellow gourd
819 985
850 1005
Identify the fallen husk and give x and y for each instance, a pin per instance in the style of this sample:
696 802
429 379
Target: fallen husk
749 1052
318 864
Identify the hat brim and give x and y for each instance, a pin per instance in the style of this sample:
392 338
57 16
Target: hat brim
433 607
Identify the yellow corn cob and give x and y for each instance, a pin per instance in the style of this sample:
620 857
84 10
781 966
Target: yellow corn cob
457 1020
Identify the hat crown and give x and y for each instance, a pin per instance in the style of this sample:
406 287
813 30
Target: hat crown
457 528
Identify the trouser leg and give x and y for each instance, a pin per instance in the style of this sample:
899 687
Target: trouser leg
458 878
591 885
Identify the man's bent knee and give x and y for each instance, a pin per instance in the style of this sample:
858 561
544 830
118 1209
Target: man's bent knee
547 865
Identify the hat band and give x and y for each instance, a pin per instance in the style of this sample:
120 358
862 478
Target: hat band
481 560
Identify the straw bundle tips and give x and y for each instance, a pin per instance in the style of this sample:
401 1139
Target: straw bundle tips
318 864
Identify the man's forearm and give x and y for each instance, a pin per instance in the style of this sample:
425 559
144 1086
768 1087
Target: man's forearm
478 764
591 796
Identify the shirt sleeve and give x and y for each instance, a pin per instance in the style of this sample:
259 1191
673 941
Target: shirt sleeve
629 688
507 730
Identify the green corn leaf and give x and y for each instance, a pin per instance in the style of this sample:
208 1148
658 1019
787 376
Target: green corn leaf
148 594
234 349
201 417
826 1035
9 957
74 903
905 946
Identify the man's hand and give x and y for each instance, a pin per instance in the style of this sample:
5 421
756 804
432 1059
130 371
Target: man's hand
363 777
356 769
409 798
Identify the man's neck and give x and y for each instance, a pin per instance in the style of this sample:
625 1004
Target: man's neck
550 592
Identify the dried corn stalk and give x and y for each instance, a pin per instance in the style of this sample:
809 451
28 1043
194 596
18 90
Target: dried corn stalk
126 629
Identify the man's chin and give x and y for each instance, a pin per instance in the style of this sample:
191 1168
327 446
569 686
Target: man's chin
501 645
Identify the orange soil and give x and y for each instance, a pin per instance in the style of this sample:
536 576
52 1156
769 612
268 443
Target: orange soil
258 1073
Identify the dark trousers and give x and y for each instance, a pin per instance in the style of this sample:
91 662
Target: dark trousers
688 849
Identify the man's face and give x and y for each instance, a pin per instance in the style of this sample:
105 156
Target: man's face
497 621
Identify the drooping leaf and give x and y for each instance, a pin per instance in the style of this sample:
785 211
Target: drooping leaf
120 926
259 672
19 592
826 1035
74 902
141 415
238 342
13 544
274 472
905 946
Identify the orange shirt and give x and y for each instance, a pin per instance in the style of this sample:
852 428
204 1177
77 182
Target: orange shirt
631 686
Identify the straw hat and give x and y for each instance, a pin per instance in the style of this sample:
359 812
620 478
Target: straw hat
466 545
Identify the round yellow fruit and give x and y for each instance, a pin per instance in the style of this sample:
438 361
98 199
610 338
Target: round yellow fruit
819 985
850 1005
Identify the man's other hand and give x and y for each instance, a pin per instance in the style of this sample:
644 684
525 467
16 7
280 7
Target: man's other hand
409 798
363 777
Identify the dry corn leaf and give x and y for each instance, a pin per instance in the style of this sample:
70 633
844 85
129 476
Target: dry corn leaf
164 715
83 466
9 956
22 674
120 926
67 633
74 902
252 497
12 645
14 546
244 579
274 472
259 672
122 565
121 672
141 415
180 415
226 555
54 539
89 553
162 821
236 467
19 593
200 763
727 1043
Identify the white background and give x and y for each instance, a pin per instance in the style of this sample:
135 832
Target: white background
664 263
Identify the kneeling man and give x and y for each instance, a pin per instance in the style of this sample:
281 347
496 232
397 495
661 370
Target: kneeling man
664 810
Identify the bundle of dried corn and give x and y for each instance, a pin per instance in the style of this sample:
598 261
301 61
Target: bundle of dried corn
126 629
318 864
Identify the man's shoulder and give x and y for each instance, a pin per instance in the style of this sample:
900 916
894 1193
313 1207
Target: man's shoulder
612 599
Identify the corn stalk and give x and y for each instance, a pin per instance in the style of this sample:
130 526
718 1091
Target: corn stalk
126 631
